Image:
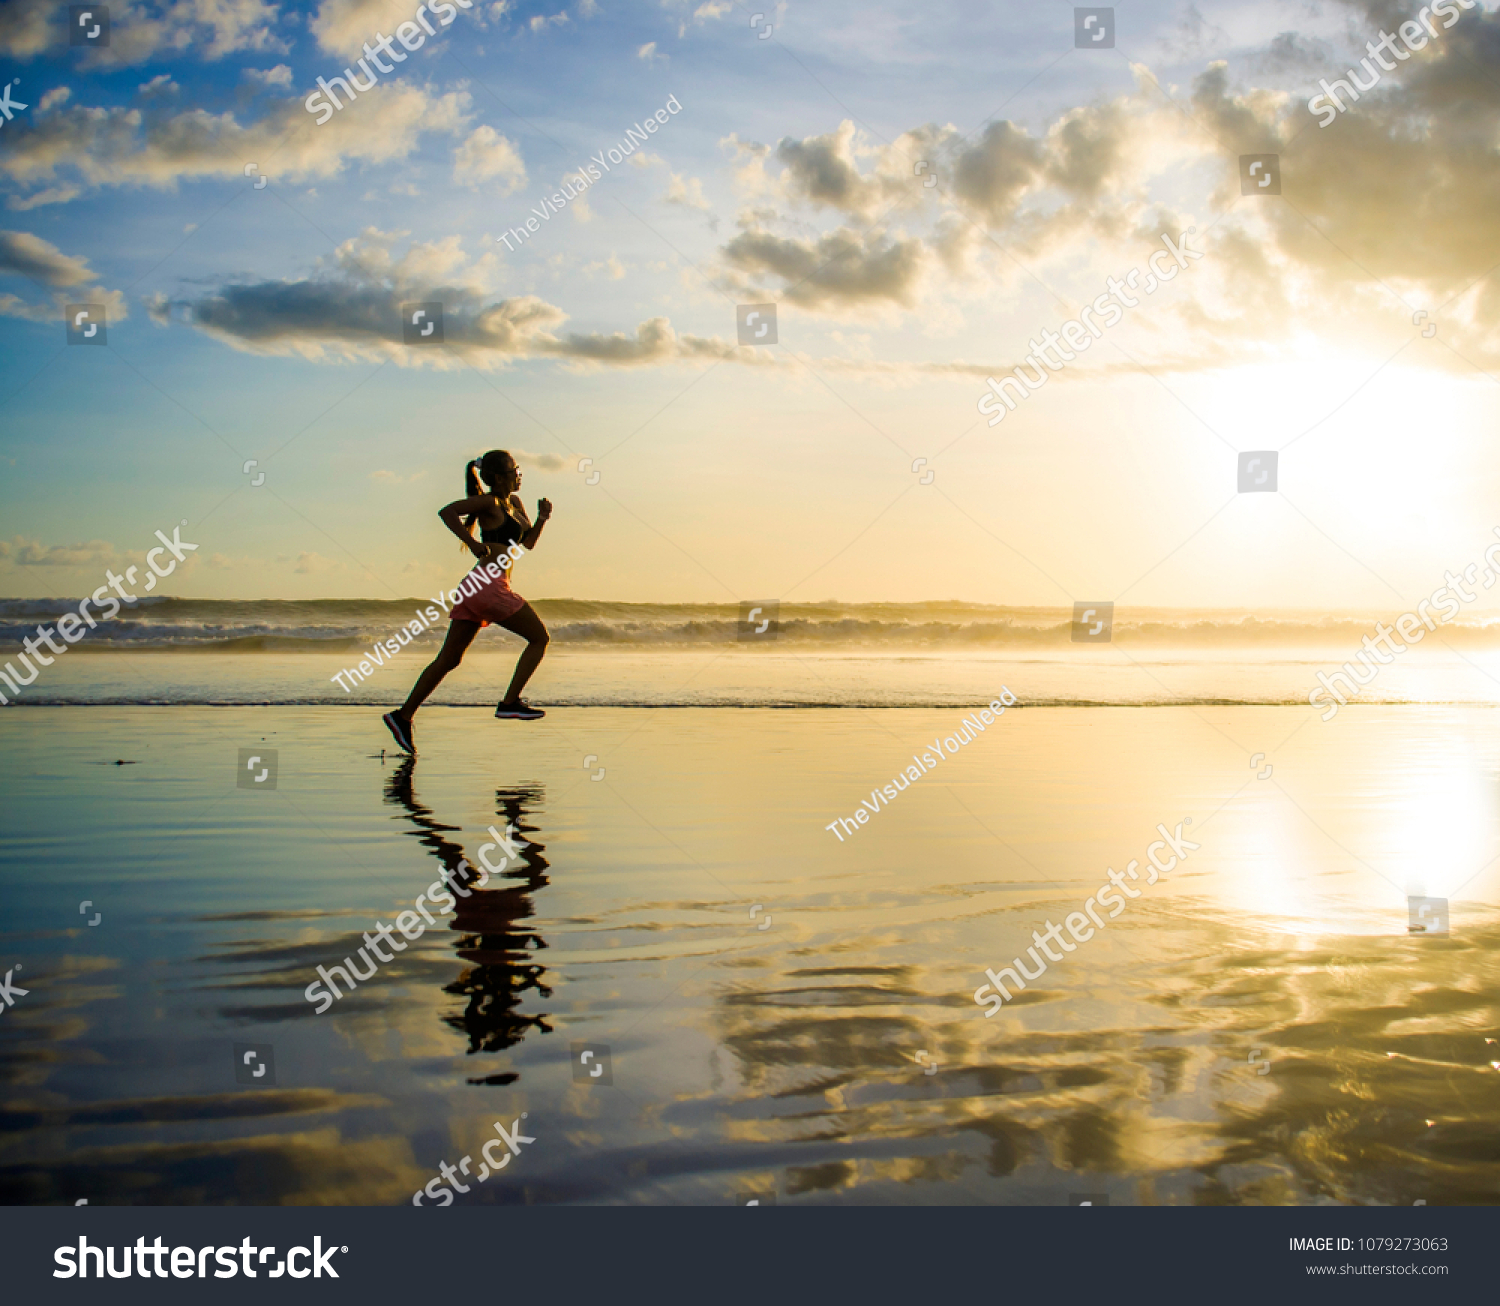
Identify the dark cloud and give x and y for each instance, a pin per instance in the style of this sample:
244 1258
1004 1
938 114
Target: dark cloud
842 269
992 176
67 276
140 29
1084 149
822 170
1292 53
354 309
1404 186
32 257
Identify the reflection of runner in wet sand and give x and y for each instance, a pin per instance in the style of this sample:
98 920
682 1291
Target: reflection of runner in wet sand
492 915
487 598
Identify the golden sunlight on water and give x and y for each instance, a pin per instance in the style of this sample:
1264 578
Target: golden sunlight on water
780 1011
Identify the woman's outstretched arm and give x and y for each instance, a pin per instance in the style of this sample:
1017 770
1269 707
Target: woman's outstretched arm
533 532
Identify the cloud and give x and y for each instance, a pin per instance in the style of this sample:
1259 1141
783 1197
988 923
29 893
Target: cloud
23 552
67 276
1085 149
160 87
1290 52
352 309
1088 187
842 224
139 31
687 193
936 218
1347 220
235 25
822 170
940 214
611 266
280 75
704 13
487 155
842 269
1195 34
38 199
343 26
993 176
311 564
545 462
648 53
825 171
31 256
121 146
989 176
25 33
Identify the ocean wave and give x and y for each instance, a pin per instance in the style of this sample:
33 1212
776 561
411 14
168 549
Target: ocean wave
346 625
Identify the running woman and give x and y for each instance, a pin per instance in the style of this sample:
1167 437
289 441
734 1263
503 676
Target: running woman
503 524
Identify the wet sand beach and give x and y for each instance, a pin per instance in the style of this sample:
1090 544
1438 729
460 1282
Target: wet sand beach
778 1011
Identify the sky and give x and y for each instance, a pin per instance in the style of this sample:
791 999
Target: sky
920 193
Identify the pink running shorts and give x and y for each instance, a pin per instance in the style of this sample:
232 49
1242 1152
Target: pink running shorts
493 601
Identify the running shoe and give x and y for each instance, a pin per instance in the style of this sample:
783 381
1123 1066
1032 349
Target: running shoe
519 711
402 730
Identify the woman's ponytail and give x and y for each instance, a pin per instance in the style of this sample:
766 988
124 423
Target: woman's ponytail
493 467
472 488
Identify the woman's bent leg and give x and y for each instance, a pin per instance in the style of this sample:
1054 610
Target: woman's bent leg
529 627
460 636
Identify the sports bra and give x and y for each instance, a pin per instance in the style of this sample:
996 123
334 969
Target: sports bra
507 534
